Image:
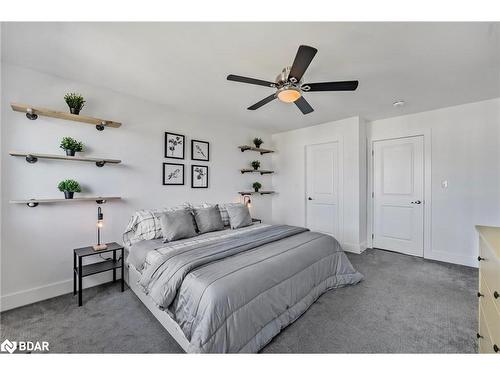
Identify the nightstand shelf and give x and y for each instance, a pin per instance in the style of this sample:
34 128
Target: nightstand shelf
92 269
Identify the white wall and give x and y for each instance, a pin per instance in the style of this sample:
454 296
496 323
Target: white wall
289 205
37 243
465 151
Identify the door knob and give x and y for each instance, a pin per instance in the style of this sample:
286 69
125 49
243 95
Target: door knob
416 202
309 199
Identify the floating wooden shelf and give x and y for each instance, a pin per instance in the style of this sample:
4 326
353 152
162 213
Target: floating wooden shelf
33 158
261 171
35 202
251 148
263 192
33 112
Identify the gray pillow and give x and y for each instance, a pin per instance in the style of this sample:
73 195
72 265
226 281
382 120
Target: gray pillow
177 225
208 219
239 216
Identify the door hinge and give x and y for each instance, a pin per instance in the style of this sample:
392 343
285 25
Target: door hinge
372 236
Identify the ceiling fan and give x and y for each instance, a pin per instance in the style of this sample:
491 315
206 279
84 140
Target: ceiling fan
289 86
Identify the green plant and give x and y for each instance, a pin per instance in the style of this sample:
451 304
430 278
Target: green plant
69 143
257 186
256 164
257 142
74 100
69 185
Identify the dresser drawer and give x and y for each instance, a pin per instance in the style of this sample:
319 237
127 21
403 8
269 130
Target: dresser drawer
489 270
490 315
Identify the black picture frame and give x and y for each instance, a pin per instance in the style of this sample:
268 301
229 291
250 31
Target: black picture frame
193 145
203 186
168 135
165 183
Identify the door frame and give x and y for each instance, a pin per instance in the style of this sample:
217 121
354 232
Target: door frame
340 203
427 198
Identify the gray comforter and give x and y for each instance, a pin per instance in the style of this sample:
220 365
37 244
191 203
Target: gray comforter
236 294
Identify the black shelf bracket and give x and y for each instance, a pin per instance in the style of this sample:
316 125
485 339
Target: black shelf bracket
100 126
30 115
100 163
31 159
32 204
100 201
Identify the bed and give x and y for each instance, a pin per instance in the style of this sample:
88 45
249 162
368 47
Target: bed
233 290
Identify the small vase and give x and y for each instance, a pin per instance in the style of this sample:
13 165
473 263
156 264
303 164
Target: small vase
257 146
255 168
74 111
70 152
68 194
256 190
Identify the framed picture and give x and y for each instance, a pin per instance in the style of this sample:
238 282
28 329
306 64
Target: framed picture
174 145
200 150
173 174
199 176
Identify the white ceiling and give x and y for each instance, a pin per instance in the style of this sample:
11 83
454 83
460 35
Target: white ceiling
184 65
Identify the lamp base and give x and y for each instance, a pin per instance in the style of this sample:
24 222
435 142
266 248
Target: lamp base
100 247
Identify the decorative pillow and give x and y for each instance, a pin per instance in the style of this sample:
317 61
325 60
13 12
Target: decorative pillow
208 219
239 216
223 211
145 224
176 225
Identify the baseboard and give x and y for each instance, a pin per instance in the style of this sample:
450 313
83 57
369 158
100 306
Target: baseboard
29 296
354 248
444 256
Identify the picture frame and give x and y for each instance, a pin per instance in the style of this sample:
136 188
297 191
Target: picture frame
199 176
173 174
200 150
175 145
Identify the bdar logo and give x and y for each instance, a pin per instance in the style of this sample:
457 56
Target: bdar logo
8 346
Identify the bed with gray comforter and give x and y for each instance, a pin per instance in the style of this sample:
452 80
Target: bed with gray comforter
234 293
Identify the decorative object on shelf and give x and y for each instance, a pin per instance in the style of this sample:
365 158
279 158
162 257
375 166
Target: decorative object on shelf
256 186
35 202
200 150
69 187
75 102
32 113
199 176
173 174
100 218
251 148
257 142
255 165
33 158
174 145
71 145
247 201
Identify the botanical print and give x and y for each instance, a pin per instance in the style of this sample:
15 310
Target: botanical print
200 150
174 145
199 176
173 174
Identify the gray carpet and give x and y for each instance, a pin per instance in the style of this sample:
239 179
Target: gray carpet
404 305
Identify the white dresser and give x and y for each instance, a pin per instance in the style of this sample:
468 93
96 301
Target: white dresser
489 289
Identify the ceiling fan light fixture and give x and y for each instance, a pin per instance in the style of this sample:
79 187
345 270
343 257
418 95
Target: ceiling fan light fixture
289 95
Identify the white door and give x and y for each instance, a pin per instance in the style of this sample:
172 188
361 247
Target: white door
322 188
398 173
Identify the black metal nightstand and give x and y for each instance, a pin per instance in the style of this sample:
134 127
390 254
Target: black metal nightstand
257 221
81 271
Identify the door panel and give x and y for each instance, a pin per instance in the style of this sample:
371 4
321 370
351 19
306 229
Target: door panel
398 166
322 188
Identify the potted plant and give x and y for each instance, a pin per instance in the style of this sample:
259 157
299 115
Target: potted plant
257 142
75 102
256 186
256 164
69 187
71 146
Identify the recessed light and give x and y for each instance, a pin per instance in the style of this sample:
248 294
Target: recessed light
399 103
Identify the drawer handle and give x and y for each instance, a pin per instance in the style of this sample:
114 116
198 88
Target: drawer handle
480 258
479 336
479 294
495 348
496 295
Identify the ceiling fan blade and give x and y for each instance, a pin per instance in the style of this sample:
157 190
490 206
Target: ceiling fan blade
252 81
304 56
264 101
331 86
303 105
